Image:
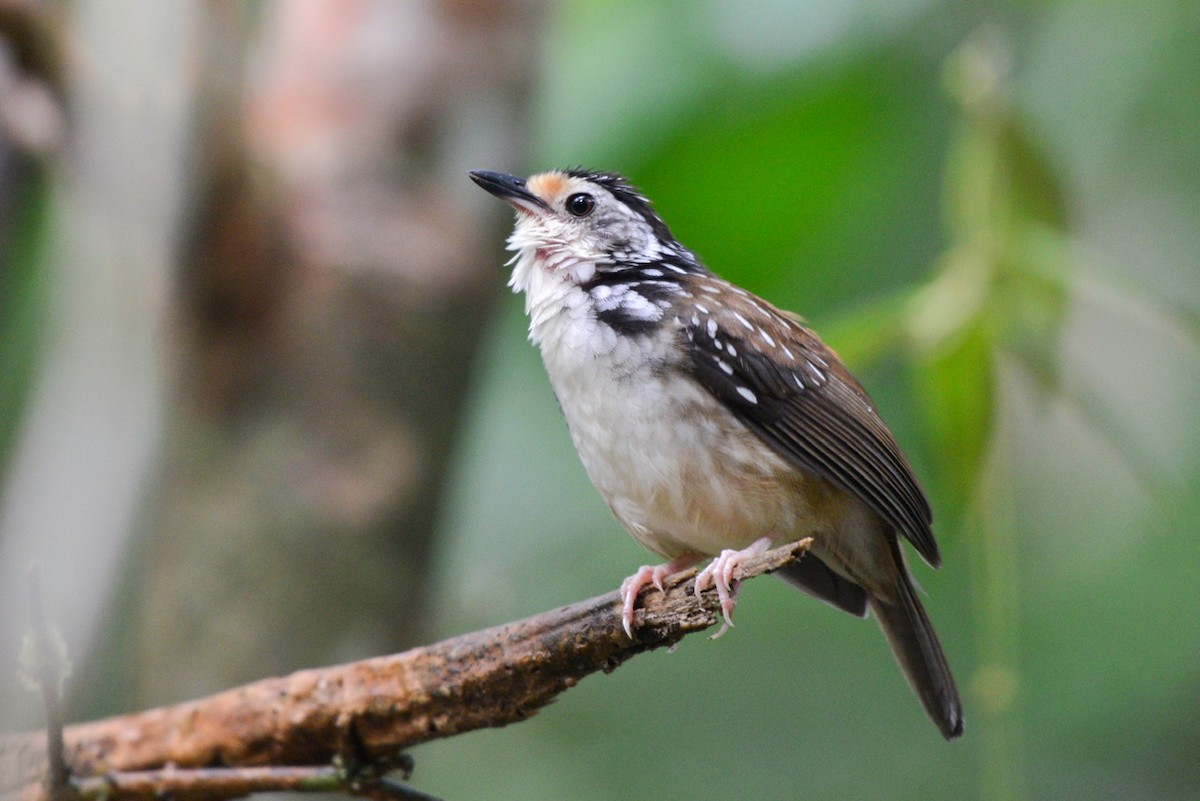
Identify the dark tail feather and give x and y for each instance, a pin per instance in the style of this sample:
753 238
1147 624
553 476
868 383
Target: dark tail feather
920 656
814 577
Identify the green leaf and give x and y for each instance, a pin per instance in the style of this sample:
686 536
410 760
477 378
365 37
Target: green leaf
1030 302
955 386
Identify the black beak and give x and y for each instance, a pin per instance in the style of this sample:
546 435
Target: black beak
510 189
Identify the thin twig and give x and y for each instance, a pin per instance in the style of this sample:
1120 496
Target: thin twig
218 784
45 659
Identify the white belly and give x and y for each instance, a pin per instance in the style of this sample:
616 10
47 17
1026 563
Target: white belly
678 471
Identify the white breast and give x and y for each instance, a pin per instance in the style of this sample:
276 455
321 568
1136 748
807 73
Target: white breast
678 471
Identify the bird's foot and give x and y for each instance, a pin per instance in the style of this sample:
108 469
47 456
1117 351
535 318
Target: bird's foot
648 574
720 573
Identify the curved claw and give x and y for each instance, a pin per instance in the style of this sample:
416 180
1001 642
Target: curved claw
630 587
719 573
648 574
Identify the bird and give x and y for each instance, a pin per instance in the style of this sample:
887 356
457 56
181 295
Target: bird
713 424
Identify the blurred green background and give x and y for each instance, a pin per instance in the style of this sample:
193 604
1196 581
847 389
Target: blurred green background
990 210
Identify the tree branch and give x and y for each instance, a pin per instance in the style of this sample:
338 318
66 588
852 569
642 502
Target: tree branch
370 711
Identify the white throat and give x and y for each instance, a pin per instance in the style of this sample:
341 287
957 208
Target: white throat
549 273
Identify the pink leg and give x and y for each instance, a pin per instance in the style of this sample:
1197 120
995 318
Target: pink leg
720 573
648 574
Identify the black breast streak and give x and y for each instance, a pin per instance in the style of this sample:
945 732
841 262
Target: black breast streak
621 321
625 318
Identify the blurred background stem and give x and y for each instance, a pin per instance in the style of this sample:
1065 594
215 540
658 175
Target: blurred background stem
996 686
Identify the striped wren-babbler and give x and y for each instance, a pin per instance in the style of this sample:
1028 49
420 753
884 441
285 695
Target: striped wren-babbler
712 423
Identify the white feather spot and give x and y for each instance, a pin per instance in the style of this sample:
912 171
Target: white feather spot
582 271
746 393
786 351
717 342
766 337
702 309
712 328
732 350
725 366
695 320
653 272
743 321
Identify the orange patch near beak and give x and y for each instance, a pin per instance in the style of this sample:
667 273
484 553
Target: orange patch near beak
547 185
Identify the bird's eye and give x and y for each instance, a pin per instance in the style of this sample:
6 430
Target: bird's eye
580 204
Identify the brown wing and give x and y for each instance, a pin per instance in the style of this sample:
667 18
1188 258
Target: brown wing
805 404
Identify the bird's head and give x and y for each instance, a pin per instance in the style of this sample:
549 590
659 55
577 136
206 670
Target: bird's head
580 223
